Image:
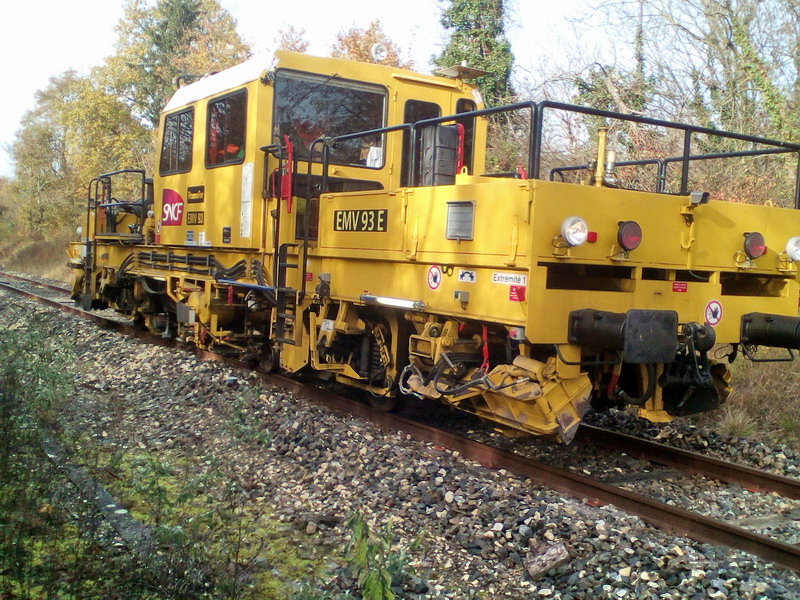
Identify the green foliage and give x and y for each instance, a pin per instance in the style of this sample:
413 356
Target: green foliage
75 132
477 37
372 561
82 126
6 207
157 44
608 88
48 541
736 62
211 539
247 429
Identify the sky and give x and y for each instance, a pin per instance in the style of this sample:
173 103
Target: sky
40 39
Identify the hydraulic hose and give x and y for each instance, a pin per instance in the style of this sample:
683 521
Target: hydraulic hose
648 393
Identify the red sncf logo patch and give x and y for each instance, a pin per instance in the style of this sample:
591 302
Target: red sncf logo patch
172 211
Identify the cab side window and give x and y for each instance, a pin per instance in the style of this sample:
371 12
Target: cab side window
415 110
176 145
225 135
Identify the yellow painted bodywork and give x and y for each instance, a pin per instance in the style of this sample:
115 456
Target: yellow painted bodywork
516 226
512 272
225 198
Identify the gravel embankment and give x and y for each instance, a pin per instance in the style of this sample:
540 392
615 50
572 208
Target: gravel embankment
476 528
768 514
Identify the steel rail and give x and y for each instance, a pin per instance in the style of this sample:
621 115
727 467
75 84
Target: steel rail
748 477
41 284
659 514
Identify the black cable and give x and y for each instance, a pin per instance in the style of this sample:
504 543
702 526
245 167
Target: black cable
648 393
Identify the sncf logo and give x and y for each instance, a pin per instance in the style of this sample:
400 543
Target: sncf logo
172 213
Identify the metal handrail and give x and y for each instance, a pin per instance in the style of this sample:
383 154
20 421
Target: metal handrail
536 131
663 163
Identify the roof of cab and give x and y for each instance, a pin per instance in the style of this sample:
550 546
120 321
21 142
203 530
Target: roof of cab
245 72
253 68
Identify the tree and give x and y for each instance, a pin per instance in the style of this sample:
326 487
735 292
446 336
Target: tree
292 39
5 204
730 64
75 132
477 38
356 44
725 64
156 45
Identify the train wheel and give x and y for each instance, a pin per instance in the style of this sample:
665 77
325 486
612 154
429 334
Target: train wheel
384 403
268 361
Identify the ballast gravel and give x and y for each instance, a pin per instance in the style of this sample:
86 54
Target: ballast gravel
767 514
468 531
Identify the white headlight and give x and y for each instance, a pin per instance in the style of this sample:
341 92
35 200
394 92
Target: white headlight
793 248
79 231
379 52
574 230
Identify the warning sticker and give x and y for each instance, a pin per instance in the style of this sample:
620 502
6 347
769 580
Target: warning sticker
510 278
465 276
516 293
680 286
713 312
434 277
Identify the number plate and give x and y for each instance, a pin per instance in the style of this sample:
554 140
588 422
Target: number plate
373 220
195 218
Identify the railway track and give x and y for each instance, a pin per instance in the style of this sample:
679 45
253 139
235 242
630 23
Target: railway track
664 516
35 283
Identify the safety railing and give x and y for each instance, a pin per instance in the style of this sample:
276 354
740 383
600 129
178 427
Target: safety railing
537 112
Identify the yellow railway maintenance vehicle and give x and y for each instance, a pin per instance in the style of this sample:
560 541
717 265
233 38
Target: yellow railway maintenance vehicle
336 217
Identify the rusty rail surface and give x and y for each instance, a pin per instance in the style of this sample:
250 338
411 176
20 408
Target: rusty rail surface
48 286
662 454
669 518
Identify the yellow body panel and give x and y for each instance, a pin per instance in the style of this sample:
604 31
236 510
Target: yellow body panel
515 221
463 292
233 193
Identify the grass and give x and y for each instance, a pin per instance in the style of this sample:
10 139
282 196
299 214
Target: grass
50 539
762 404
211 539
207 527
41 257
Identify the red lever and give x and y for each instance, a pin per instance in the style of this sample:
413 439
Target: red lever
460 148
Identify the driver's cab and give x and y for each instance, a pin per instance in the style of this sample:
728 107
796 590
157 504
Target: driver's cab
227 141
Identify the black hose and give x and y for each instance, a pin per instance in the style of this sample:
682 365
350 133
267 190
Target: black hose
148 289
442 364
648 393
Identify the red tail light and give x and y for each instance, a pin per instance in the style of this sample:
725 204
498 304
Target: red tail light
629 235
754 244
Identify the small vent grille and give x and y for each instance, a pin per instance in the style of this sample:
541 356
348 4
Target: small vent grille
460 220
